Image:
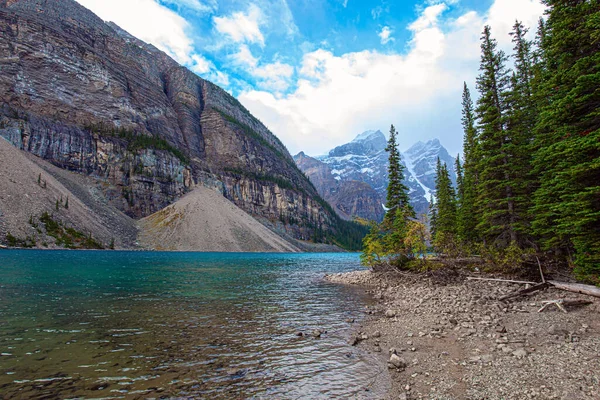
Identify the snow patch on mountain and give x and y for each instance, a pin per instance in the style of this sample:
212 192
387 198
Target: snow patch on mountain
366 135
365 159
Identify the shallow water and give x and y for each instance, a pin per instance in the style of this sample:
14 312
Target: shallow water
99 324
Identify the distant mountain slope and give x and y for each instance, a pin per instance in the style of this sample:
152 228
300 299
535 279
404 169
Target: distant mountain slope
88 97
349 198
364 159
44 206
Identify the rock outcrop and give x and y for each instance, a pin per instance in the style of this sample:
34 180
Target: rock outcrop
88 97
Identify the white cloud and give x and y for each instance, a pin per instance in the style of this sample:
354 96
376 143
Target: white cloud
150 22
202 6
200 65
428 18
502 15
218 78
378 11
386 35
339 96
244 57
274 77
242 27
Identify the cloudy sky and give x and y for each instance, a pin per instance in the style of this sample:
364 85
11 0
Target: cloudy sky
319 72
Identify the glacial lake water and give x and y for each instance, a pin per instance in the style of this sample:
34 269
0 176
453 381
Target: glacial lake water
102 324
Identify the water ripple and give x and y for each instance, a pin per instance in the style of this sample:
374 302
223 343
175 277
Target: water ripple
129 324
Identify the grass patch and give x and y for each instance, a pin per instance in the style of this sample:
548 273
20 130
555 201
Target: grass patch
14 241
68 237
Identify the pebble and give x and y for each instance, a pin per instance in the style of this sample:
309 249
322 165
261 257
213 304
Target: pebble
390 313
397 362
520 353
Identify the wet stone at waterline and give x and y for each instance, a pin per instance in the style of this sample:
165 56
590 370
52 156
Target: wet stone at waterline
124 324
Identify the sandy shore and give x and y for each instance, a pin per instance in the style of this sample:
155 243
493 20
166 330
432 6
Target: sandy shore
451 338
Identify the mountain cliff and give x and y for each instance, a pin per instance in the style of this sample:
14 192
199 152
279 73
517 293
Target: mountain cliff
365 160
90 98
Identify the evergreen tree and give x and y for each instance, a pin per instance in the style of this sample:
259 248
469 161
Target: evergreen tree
460 186
397 192
467 218
399 237
521 118
495 195
445 229
566 206
432 216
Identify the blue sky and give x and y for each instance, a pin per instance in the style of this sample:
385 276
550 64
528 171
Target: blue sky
319 72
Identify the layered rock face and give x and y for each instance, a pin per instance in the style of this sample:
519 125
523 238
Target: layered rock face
88 97
365 160
349 198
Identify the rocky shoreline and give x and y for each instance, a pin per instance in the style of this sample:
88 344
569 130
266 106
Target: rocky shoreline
445 337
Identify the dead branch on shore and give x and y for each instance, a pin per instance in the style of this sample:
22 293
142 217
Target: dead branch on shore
532 289
562 303
474 278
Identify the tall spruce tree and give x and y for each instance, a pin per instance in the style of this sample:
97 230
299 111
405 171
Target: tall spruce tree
445 206
521 117
467 219
432 217
495 193
566 206
397 192
460 186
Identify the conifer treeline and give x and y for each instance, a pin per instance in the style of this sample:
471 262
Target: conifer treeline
530 178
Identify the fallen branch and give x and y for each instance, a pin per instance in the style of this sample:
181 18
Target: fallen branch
561 304
473 278
577 288
535 288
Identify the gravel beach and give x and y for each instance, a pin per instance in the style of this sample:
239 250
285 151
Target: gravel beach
447 337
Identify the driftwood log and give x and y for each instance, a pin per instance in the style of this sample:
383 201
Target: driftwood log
570 287
577 288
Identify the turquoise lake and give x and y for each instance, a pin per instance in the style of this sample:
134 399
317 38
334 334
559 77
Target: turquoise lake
117 324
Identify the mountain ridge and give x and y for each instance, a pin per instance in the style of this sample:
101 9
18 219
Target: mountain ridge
90 98
364 159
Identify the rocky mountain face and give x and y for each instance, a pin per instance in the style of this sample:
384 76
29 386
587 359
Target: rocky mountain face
349 198
90 98
365 160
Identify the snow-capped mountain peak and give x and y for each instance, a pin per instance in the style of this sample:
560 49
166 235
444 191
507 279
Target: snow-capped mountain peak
365 159
368 135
